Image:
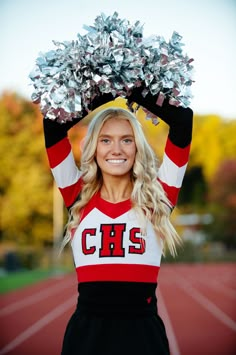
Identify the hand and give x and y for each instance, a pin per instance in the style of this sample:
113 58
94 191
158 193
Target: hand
167 112
100 100
178 118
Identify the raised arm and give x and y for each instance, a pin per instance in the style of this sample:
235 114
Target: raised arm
176 155
61 160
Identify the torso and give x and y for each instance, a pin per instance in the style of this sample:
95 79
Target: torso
108 245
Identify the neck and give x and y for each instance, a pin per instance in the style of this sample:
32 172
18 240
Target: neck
117 191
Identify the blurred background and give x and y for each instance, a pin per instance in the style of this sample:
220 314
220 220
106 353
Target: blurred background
197 291
31 211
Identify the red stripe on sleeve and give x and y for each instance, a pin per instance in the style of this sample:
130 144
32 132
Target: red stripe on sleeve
71 193
172 193
58 152
178 155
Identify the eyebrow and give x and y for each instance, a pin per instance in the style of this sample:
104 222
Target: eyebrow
110 136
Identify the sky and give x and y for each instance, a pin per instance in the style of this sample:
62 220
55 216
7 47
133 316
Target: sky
208 28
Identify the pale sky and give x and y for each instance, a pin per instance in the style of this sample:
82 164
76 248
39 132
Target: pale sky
208 28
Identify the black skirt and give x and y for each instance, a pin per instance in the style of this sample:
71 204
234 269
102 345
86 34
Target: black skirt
116 319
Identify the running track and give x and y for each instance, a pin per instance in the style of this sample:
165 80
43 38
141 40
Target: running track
197 303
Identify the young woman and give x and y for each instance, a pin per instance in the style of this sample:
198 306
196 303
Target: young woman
119 203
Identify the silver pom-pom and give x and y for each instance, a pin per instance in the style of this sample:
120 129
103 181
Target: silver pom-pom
112 57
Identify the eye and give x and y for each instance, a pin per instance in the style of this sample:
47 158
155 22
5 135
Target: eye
105 140
127 140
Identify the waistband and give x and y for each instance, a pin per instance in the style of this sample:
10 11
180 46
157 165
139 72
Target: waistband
117 299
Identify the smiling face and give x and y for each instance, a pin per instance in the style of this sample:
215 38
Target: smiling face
116 148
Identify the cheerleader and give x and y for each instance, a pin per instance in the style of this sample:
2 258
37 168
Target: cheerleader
120 198
119 202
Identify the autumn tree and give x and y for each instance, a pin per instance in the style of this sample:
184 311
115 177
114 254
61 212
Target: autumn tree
222 199
213 142
25 184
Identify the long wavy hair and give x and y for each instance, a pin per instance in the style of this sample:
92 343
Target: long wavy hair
148 197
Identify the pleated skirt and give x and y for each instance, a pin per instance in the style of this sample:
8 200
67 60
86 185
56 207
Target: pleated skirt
116 328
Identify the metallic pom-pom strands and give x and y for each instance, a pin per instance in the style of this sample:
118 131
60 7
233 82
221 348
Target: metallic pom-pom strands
112 57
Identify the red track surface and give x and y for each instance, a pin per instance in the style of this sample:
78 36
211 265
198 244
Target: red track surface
196 302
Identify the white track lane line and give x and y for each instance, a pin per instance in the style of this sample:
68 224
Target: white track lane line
174 347
213 284
37 326
205 302
39 296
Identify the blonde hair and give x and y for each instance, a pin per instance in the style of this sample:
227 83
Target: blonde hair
148 197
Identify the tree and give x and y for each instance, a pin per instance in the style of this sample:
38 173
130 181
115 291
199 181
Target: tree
222 198
213 142
25 185
194 189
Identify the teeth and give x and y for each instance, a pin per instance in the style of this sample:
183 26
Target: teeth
116 161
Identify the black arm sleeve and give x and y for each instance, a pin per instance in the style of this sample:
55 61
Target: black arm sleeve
178 118
55 131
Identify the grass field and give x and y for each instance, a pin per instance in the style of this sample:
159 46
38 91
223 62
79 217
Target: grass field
14 280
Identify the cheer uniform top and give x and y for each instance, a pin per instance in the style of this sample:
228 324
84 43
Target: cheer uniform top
117 268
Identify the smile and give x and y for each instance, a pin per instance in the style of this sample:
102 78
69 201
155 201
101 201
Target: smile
116 161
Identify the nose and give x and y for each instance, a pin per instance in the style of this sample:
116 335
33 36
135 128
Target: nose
116 148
